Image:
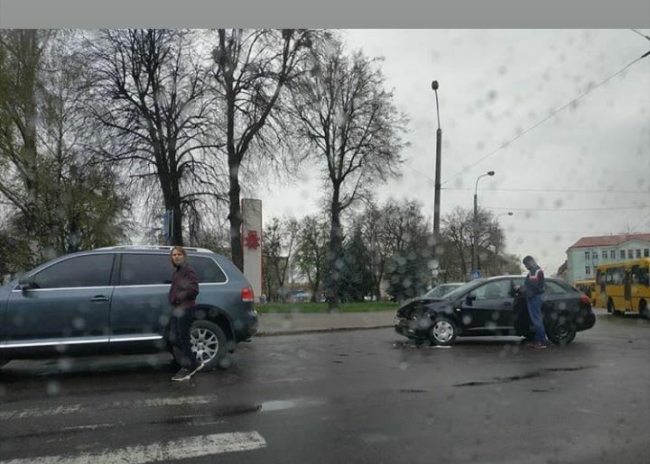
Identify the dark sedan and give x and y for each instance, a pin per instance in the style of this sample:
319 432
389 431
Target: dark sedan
493 307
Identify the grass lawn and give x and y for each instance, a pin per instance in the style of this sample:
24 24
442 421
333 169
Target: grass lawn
366 306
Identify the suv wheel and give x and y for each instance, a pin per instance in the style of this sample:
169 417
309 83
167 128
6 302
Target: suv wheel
443 332
208 343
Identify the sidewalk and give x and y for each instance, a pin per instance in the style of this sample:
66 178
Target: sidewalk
288 324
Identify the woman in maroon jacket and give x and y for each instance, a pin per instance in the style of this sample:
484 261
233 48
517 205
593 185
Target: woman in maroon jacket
182 297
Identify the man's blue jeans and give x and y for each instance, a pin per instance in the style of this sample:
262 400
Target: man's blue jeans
535 311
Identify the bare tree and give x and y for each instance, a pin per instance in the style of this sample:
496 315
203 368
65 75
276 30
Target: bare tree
457 238
372 223
252 69
150 102
408 241
354 130
311 254
280 242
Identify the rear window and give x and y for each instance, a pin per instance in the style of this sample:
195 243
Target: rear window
555 288
207 270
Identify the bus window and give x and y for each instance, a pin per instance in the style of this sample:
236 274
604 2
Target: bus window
640 275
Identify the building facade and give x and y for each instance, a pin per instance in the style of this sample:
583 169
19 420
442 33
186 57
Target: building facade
587 253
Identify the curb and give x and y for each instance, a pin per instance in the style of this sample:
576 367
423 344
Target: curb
308 331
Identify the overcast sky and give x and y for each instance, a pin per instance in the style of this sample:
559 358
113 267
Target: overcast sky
583 172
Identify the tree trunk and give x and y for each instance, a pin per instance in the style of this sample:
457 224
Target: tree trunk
334 252
234 216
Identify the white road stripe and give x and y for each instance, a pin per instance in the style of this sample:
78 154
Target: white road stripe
184 448
75 408
37 412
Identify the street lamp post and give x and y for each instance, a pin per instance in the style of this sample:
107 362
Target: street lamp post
475 244
509 213
436 204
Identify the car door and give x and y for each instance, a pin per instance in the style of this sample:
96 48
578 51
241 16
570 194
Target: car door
489 306
68 304
140 310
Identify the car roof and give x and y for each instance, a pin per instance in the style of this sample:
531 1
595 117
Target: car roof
151 248
519 276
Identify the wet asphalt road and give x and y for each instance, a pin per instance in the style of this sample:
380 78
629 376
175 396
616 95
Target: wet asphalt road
346 397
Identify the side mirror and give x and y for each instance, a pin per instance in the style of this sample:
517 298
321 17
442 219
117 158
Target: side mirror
26 282
470 298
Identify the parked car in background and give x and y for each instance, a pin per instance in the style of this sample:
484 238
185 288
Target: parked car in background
492 307
588 287
442 289
300 297
115 300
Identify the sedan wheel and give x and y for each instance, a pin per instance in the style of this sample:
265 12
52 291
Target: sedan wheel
443 332
561 331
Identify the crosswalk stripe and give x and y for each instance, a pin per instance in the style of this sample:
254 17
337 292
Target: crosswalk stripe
184 448
75 408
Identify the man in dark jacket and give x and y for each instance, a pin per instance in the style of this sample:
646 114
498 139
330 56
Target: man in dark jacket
534 288
182 297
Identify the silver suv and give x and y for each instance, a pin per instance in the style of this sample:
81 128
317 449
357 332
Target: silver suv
115 300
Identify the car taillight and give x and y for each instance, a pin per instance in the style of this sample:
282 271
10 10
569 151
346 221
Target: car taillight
585 299
247 294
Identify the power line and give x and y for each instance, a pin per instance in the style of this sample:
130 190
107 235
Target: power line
644 219
644 192
641 34
587 92
586 233
634 192
563 210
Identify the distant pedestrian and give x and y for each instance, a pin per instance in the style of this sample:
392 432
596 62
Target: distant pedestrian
534 289
182 298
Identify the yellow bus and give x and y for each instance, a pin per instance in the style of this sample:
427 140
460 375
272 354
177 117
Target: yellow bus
588 287
625 287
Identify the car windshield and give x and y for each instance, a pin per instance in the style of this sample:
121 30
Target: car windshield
465 288
441 290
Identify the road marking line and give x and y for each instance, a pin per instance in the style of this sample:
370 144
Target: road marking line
90 427
74 408
184 448
36 412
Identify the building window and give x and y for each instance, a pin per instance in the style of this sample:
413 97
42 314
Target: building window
588 270
638 254
586 256
622 254
646 252
612 254
629 254
604 253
